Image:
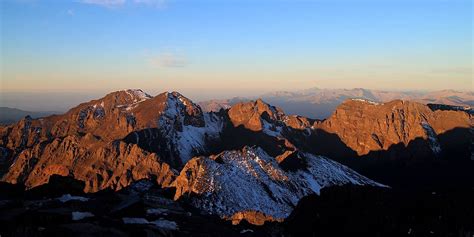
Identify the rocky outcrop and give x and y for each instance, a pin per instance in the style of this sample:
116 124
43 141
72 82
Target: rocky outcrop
115 165
257 123
260 116
252 217
298 122
251 114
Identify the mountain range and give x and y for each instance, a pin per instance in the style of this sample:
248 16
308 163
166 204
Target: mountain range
312 103
248 162
320 103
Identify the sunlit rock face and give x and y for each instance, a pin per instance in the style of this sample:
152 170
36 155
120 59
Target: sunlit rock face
366 127
108 142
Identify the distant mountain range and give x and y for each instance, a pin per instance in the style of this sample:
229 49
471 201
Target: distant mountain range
320 103
12 115
250 161
312 103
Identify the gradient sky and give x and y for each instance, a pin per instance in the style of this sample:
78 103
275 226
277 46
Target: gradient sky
213 48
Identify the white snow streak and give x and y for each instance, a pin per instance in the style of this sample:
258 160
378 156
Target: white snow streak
69 197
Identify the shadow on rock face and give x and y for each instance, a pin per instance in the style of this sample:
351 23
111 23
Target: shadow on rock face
57 186
408 166
371 211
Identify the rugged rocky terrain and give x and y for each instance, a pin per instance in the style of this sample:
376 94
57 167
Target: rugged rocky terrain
248 162
108 142
128 136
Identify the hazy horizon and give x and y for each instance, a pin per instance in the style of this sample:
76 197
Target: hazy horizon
60 101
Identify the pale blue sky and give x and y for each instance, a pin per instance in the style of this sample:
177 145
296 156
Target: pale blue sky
236 47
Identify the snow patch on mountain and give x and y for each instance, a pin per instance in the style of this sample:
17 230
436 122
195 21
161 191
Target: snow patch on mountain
69 197
188 139
137 96
323 172
432 138
193 138
77 215
160 223
271 129
251 180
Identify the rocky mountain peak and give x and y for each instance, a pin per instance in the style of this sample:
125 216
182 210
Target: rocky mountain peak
124 99
134 95
177 104
250 114
366 126
121 124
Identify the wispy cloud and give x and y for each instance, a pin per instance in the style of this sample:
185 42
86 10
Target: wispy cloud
70 12
152 3
118 3
105 3
169 60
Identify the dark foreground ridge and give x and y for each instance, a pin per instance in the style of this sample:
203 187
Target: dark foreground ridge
60 208
371 211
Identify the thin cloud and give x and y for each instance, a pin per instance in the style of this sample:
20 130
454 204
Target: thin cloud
169 60
152 3
118 3
105 3
70 12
